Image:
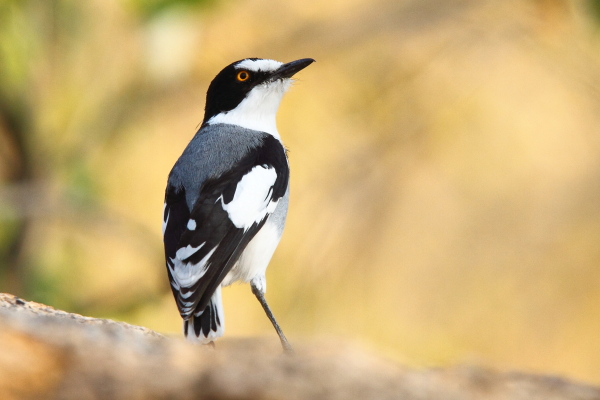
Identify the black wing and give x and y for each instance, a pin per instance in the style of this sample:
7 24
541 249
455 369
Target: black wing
202 246
175 218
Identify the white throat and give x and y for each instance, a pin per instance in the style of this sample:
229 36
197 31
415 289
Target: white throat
258 110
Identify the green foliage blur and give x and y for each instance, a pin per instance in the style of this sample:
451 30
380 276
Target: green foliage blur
594 9
149 9
445 161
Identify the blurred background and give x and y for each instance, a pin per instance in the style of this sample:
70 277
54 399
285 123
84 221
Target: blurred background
445 159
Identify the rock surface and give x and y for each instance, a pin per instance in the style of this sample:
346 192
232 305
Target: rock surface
50 354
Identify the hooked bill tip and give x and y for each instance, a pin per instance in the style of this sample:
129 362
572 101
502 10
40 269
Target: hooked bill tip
289 69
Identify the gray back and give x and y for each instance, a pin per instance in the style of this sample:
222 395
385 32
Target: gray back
211 152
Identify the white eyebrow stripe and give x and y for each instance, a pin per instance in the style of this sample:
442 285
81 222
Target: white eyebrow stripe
259 65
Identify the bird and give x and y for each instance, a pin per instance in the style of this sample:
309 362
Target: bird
227 196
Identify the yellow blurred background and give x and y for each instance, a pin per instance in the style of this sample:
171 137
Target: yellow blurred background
445 159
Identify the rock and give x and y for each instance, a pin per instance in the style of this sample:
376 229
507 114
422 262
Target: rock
50 354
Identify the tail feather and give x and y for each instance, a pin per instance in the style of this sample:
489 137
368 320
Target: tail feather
207 325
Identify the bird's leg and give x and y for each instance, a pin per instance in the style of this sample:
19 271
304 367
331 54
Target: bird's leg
263 302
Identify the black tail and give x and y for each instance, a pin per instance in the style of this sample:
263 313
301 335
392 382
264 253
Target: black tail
208 325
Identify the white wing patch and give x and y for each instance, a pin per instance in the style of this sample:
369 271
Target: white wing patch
185 274
166 220
191 225
252 198
259 65
187 251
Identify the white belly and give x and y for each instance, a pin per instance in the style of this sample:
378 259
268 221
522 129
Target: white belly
254 260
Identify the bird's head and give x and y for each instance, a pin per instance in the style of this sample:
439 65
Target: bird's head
248 92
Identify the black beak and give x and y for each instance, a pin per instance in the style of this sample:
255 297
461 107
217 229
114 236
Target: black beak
288 70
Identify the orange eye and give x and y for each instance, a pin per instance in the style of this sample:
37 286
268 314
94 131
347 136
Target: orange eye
242 76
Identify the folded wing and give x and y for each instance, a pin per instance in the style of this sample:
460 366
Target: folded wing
203 244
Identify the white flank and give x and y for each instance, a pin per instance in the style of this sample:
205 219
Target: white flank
259 65
252 198
254 260
258 110
186 274
191 225
164 224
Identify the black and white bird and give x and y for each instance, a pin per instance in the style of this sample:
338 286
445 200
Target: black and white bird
227 195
